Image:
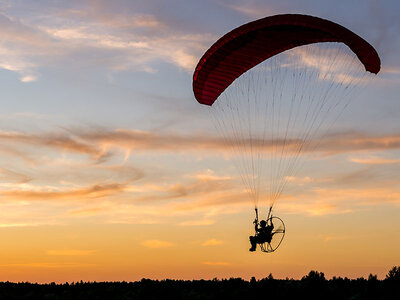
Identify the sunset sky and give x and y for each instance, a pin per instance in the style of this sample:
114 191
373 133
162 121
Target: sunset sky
111 170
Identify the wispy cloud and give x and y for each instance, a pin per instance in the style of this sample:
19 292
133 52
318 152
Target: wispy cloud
358 141
113 193
299 180
15 224
47 193
93 37
374 160
100 144
333 238
325 201
203 222
144 140
334 63
326 209
155 244
138 52
61 142
250 9
212 242
19 44
13 176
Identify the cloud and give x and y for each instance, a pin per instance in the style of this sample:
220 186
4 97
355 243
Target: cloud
393 70
212 242
53 193
363 197
205 222
234 199
146 140
141 140
334 238
250 9
316 198
110 193
341 194
100 144
326 201
358 141
28 78
191 186
373 160
209 175
326 209
10 175
138 52
299 180
121 37
62 142
93 37
356 178
155 244
334 63
22 45
337 194
91 211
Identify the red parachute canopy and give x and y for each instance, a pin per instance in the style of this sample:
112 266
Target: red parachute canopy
252 43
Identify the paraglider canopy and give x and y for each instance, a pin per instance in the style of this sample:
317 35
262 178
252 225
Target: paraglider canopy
250 44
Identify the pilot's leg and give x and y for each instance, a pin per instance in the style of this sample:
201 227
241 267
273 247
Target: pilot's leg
253 243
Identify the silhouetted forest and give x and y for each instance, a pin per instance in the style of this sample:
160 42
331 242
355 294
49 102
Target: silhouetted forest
312 286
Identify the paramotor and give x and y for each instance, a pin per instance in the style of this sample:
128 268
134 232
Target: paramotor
275 87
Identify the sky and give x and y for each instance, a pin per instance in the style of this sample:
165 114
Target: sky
111 170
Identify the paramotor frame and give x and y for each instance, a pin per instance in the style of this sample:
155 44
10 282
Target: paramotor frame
278 233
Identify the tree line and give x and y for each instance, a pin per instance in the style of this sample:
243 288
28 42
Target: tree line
314 285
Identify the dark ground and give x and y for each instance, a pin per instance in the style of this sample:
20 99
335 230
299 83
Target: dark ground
312 286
